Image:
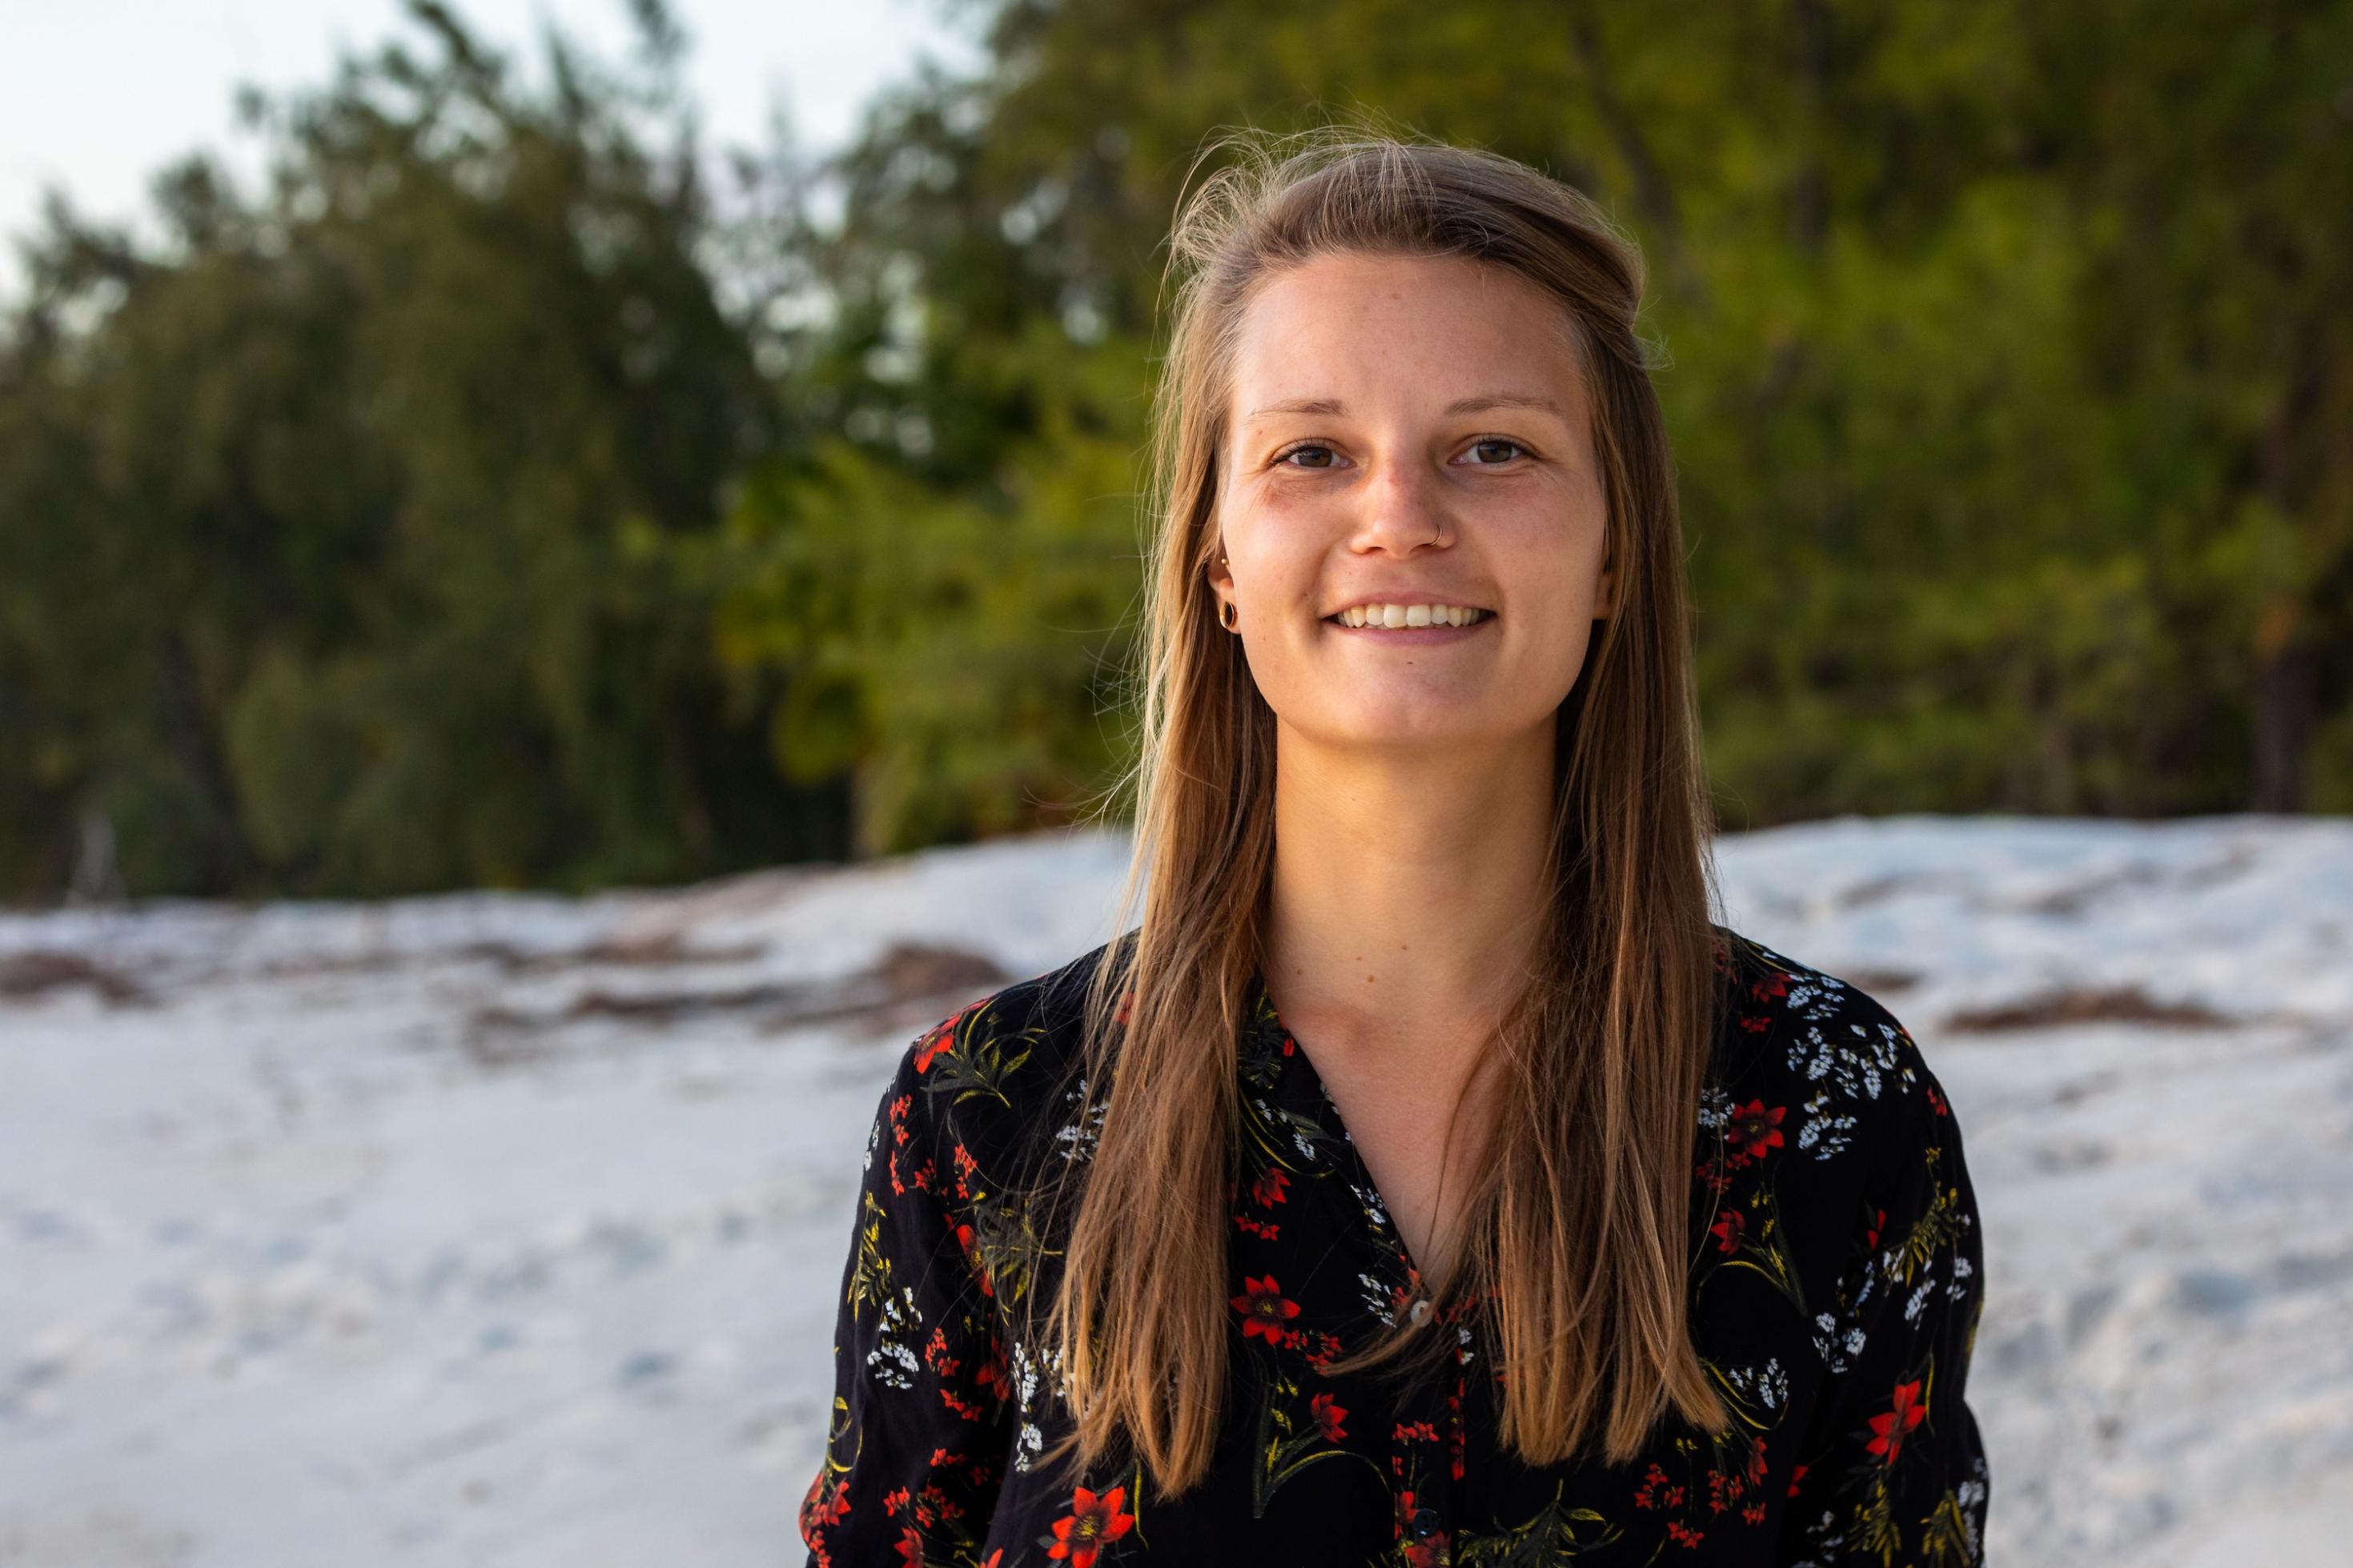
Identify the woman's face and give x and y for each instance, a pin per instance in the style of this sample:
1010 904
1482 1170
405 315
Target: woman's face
1409 432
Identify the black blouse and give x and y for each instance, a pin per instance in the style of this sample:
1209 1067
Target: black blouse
1835 1290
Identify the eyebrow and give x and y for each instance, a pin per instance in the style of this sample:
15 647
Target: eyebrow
1477 404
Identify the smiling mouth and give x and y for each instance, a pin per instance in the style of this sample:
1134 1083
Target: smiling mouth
1418 617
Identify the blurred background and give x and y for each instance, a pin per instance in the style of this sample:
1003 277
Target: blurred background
565 572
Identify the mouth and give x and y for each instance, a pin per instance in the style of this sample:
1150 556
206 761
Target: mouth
1472 623
1409 617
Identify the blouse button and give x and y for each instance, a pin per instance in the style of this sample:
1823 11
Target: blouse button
1418 1310
1425 1523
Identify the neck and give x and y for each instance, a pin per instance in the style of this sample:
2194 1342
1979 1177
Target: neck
1405 888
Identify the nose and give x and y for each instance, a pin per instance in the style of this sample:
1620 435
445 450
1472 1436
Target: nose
1403 507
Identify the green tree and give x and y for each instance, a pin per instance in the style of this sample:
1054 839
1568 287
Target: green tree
2002 347
467 506
334 538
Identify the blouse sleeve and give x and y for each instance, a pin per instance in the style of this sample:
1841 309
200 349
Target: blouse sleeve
919 1428
1893 1468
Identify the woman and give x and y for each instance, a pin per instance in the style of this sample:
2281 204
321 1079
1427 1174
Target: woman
1468 1196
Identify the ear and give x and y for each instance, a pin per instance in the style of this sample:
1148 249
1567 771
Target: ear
1220 575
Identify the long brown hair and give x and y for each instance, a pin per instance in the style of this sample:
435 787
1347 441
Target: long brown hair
1575 1250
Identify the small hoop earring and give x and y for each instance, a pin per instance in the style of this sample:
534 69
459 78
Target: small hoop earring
1229 614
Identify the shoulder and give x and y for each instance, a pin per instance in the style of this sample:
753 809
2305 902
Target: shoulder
993 1072
1853 1080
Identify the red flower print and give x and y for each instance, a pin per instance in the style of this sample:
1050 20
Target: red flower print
993 1559
1425 1552
825 1513
1328 1414
1264 1310
1267 1191
971 1245
1871 1232
1728 1229
911 1547
1796 1475
1455 1426
1752 1130
942 1037
1091 1521
1904 1414
1771 988
1678 1530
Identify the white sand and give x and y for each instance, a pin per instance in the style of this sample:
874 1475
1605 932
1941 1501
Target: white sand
302 1263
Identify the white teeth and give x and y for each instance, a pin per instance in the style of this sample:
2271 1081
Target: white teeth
1411 615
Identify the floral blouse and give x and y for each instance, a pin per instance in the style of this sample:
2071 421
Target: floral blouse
1834 1299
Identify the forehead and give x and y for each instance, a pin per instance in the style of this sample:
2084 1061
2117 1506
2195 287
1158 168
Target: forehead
1427 327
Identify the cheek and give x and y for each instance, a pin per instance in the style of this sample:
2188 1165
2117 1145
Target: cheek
1275 544
1547 552
1272 507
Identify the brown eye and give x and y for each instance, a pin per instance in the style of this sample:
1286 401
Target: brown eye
1310 447
1516 449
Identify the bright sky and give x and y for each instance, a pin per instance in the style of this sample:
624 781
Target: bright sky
97 95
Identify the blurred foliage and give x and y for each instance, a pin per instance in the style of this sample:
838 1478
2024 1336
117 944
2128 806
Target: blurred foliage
332 540
486 504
